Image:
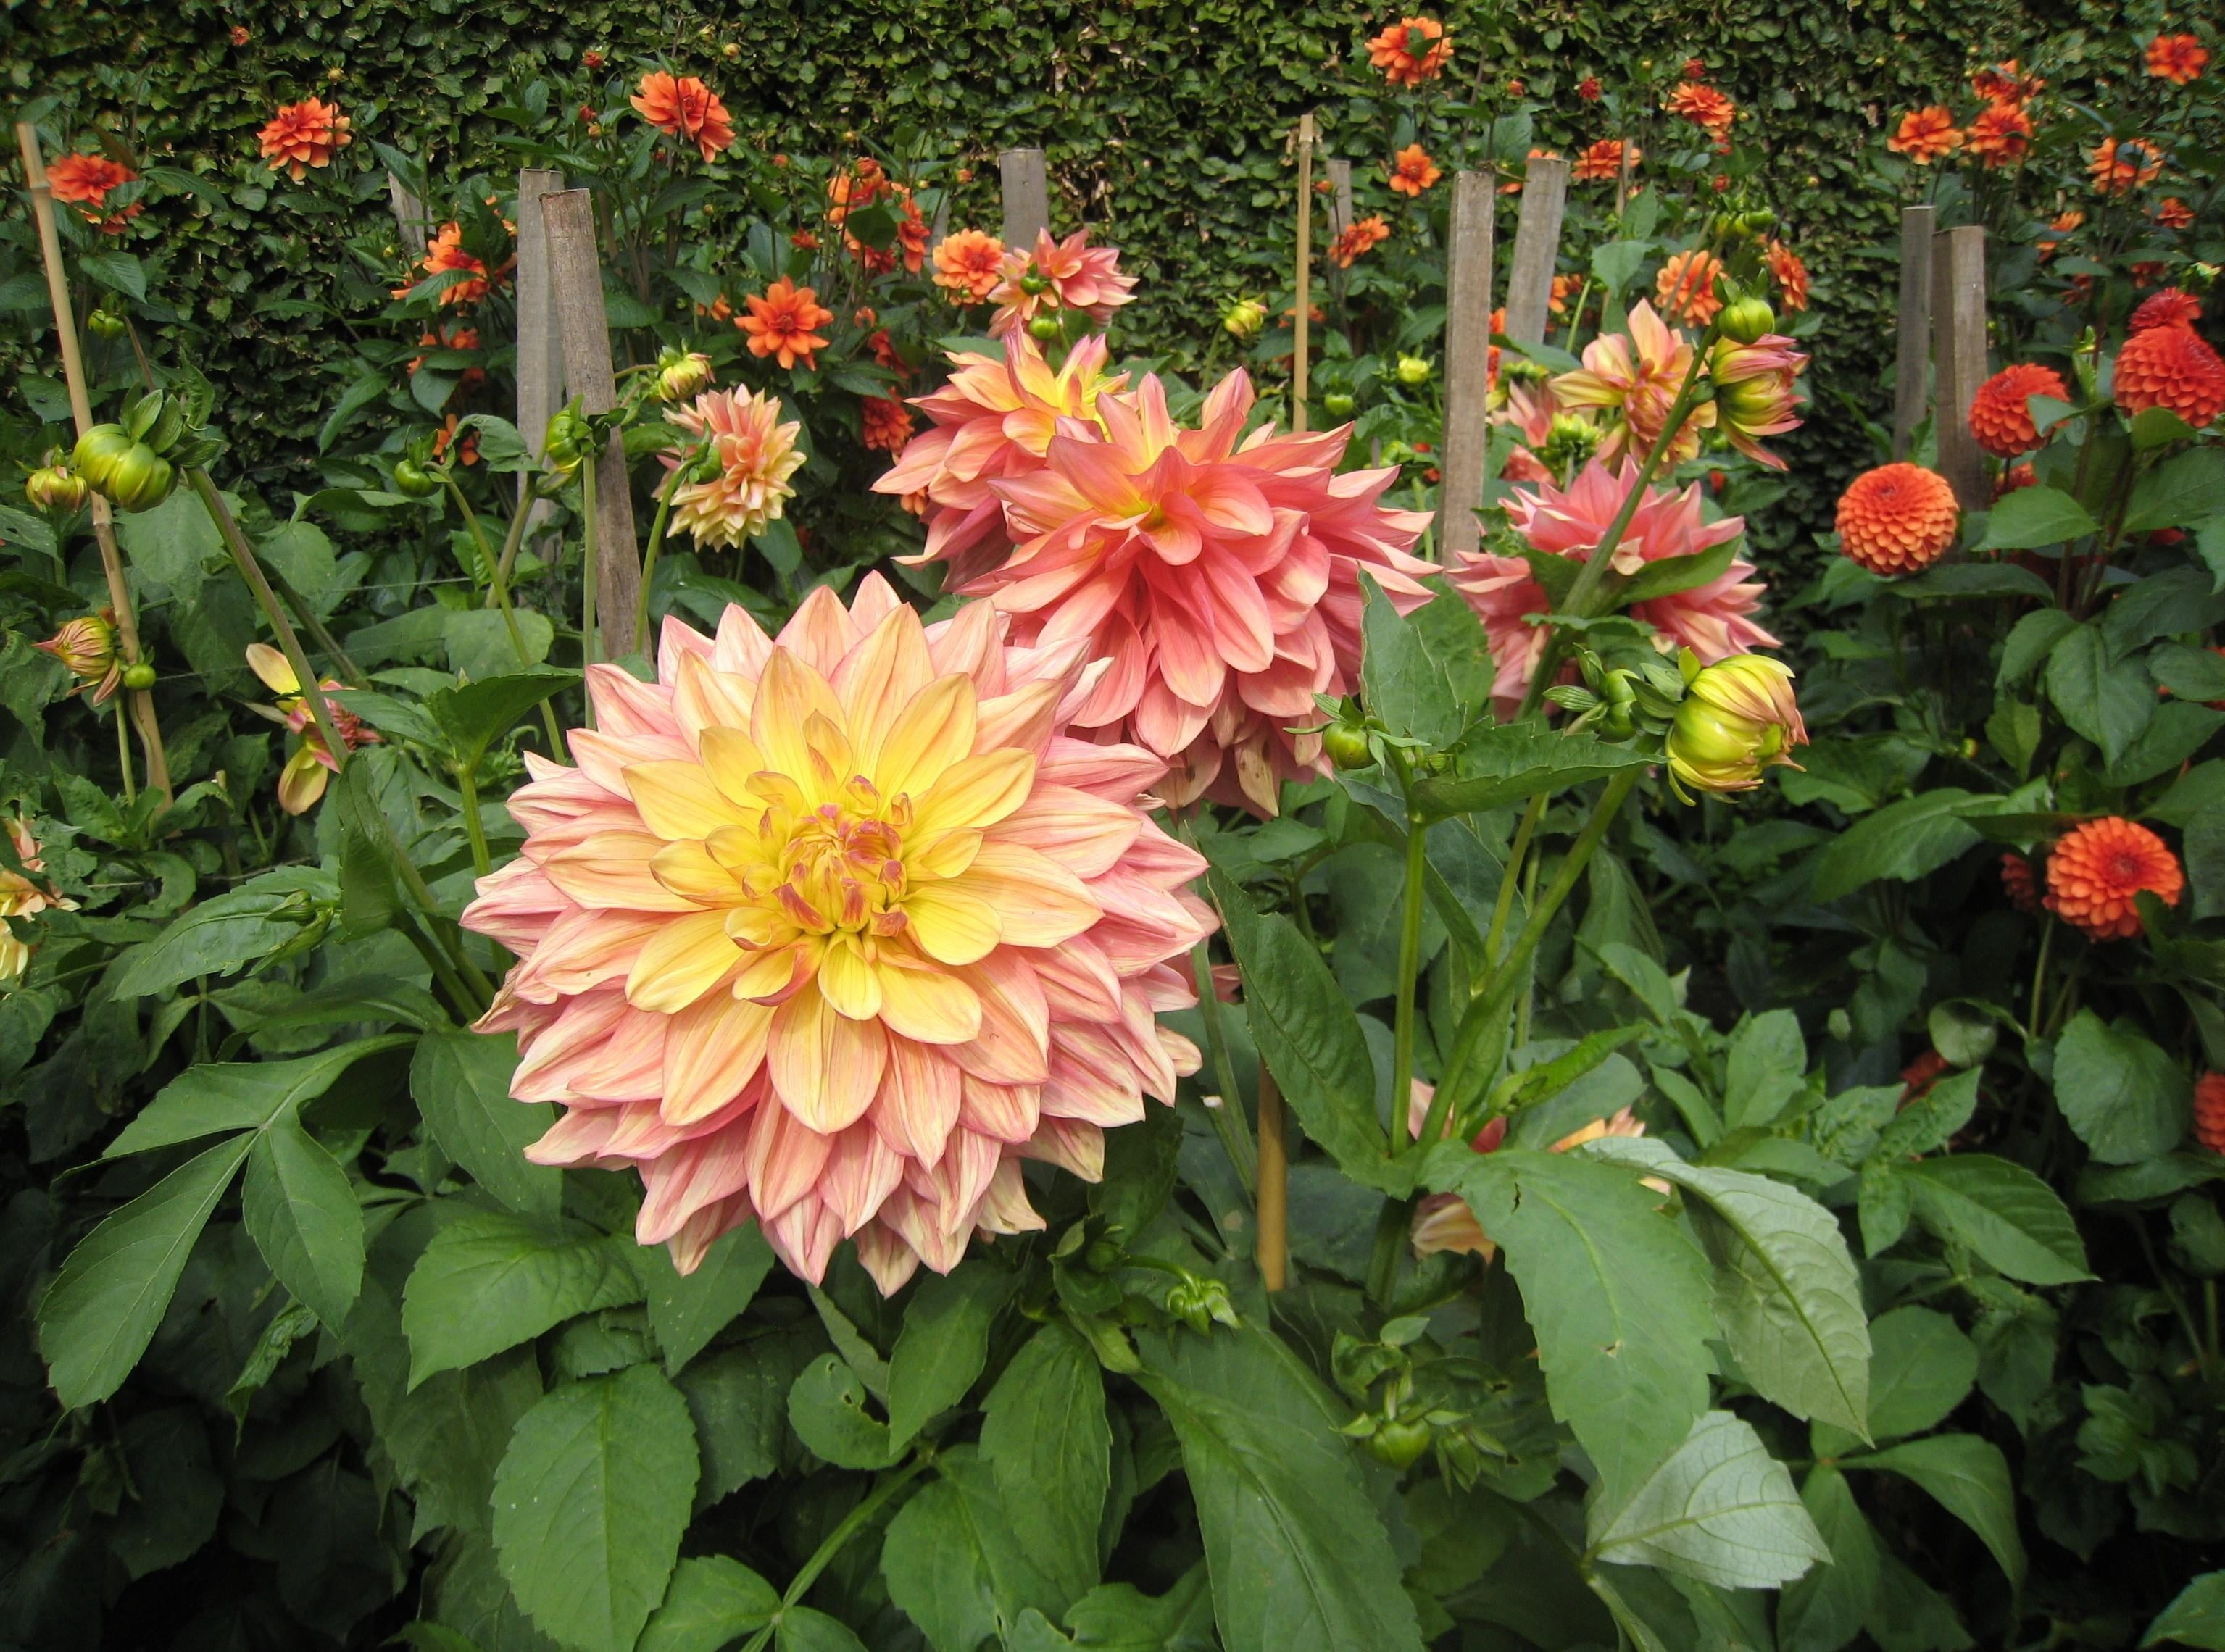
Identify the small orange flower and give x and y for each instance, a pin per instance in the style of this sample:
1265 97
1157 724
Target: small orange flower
2169 308
2015 476
2171 367
887 424
2097 869
969 264
2005 83
1589 89
2058 227
2178 58
2001 134
2209 1111
1685 290
804 239
83 180
238 34
2019 882
681 106
2148 271
781 320
2174 214
1565 288
1410 50
445 252
1897 519
1705 107
1365 233
1791 275
1925 135
304 135
1605 159
2118 169
2000 417
1412 171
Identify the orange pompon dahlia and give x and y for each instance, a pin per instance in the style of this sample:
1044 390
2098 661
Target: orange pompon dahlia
783 322
1218 574
1410 50
2095 871
681 106
1361 235
1791 275
1070 275
1925 135
23 896
2117 168
969 265
1705 107
2174 214
304 135
84 181
1685 290
1897 519
1605 158
2209 1111
2179 59
885 424
2000 414
301 781
1412 171
2169 308
757 454
994 418
2019 882
2007 82
1634 379
2171 367
829 931
2001 134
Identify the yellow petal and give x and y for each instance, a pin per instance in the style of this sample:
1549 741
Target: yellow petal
824 1067
679 799
729 758
923 1002
712 1050
943 856
1039 903
851 984
276 670
934 730
301 781
684 959
1023 718
704 697
976 792
774 970
952 927
787 693
688 869
880 677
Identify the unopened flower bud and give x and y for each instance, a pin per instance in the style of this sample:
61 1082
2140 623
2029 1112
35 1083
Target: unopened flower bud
106 324
1570 441
1748 319
1044 328
86 645
141 479
139 678
1737 717
1035 283
98 451
1243 318
1337 404
568 441
1346 745
682 376
1414 369
54 486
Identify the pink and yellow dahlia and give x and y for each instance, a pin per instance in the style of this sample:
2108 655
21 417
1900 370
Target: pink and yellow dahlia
1069 274
1714 620
1634 381
829 931
301 781
22 895
1755 393
756 456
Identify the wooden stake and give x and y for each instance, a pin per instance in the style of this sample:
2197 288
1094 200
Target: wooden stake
576 287
539 351
1537 249
1467 360
1913 339
410 216
1958 354
1340 178
103 528
1303 316
1027 195
1272 1246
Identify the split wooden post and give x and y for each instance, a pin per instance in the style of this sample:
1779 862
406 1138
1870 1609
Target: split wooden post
1958 354
540 350
575 275
1913 341
1302 313
1027 195
1340 178
1537 249
141 704
411 218
1467 360
1271 1245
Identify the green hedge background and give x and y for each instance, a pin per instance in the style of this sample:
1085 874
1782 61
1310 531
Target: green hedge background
1166 126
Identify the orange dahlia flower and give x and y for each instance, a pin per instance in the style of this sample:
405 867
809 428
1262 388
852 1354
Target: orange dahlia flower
83 180
885 424
2005 83
1685 290
1412 50
1412 171
969 265
860 184
445 252
1705 107
2209 1111
1926 135
2174 214
2117 168
2000 416
1357 239
1791 275
2171 367
681 106
1589 89
829 931
2001 134
783 322
2013 478
1634 381
1604 159
2095 870
304 135
2019 882
2059 228
2179 59
1897 519
1565 288
1076 276
2169 308
757 454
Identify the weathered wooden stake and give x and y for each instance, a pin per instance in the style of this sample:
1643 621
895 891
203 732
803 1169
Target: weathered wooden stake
1958 354
576 287
1467 360
1302 317
1339 177
1027 195
1272 1244
1537 249
411 218
1913 343
540 350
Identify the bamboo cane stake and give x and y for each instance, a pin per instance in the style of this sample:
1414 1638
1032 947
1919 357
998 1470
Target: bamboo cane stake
1299 354
103 528
1272 1246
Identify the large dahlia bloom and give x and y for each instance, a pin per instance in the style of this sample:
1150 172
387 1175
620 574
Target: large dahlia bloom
1634 381
1219 574
829 931
757 454
2097 872
1714 620
1068 275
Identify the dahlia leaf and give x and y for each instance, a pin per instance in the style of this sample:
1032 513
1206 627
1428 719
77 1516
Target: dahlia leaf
2169 604
2126 1098
944 1346
2195 1615
1972 579
954 1563
1903 841
802 1629
1673 575
686 1310
240 1095
2175 733
1719 1509
474 715
2031 641
589 1503
461 1084
1767 1065
2012 1219
2184 489
219 935
479 645
1969 1478
2031 518
1402 683
826 1408
713 1601
490 1280
738 1397
1046 1438
1514 761
1921 1367
302 1213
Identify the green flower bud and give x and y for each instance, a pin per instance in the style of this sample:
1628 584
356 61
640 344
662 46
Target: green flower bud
141 479
1337 404
1748 319
140 676
1414 369
98 451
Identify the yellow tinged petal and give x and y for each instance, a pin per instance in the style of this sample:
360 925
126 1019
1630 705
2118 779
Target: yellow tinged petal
787 693
611 870
729 758
1023 718
825 1068
712 1050
683 960
772 971
924 1003
276 670
976 792
687 869
952 926
931 733
704 697
679 800
851 984
880 677
1038 901
943 856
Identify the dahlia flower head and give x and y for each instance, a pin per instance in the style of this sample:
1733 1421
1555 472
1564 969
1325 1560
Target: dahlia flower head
1714 620
1632 381
829 931
757 454
1077 276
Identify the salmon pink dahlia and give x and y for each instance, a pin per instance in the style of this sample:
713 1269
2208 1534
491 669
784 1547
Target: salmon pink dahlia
2168 308
2097 871
829 931
2000 414
756 455
304 135
1068 275
1897 519
1635 379
2171 367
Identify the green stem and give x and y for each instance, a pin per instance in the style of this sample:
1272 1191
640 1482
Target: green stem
497 571
656 544
2039 976
836 1541
124 753
351 672
443 967
1228 1117
1410 959
515 537
467 783
589 570
1507 879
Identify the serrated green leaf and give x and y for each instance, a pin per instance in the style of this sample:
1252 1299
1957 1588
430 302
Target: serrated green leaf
490 1280
1969 1478
218 936
1825 1609
2108 701
713 1601
1514 762
944 1346
2002 1211
686 1310
1921 1367
1719 1509
301 1212
461 1082
2195 1617
240 1095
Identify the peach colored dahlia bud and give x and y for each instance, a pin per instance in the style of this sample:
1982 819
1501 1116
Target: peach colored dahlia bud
755 456
87 646
1738 719
681 375
829 931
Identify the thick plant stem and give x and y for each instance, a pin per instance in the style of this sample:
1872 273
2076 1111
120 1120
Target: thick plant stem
1409 963
1504 907
656 528
468 786
515 539
836 1541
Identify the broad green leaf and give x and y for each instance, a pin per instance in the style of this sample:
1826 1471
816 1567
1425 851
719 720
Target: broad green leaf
1911 1614
1926 1124
953 1561
1966 580
1619 1296
2175 733
1884 1200
2178 492
1400 683
2190 673
2108 701
1787 1295
302 1214
1673 575
476 714
2032 518
1969 1478
1048 1443
100 1313
2030 640
1767 1065
2169 604
2128 1099
802 1629
1120 1617
738 1397
1298 1557
1720 1509
2002 1211
1824 1610
461 1084
490 1280
238 1096
826 1408
478 641
179 1497
589 1503
1903 840
713 1602
686 1310
218 936
1454 638
2196 1618
1921 1367
1514 762
943 1344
